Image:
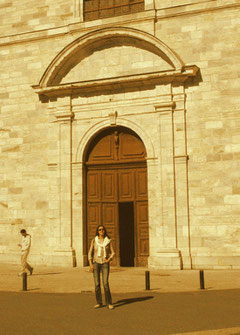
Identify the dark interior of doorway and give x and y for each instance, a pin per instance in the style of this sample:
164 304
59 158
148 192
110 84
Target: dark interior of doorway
126 233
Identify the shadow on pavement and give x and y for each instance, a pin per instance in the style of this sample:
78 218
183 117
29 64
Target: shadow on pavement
122 302
47 274
33 289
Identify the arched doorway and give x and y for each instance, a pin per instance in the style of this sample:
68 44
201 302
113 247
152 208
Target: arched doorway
116 193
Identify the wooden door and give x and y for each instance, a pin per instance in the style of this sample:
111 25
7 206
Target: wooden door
117 180
102 205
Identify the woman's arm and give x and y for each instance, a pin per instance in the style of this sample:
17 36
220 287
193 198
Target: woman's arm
90 255
112 253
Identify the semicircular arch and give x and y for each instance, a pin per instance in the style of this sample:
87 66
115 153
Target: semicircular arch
100 126
105 38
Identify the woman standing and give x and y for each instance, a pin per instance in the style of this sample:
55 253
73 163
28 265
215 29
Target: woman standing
99 255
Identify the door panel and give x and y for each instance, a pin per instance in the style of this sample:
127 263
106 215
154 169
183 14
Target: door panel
116 145
109 214
142 233
130 147
93 186
126 185
103 150
142 213
109 185
94 219
141 184
109 219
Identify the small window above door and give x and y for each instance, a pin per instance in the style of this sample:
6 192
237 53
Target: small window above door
99 9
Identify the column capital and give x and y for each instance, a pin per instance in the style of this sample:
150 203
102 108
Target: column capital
164 106
63 114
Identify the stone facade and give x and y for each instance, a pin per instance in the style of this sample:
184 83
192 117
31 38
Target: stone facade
169 73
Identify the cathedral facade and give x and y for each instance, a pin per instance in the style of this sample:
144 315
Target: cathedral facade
121 113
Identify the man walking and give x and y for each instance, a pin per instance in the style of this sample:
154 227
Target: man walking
25 248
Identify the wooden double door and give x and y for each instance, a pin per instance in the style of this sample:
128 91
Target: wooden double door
117 196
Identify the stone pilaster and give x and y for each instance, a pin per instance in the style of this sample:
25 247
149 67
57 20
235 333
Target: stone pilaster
181 176
165 253
61 126
78 227
78 10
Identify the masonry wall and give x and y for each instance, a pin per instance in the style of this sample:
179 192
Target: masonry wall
209 40
21 17
201 34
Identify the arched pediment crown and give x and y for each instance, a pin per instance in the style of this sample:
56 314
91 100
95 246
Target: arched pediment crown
106 44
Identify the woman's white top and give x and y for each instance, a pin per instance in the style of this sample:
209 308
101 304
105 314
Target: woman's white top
100 250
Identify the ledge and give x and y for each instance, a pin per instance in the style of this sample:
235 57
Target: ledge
124 82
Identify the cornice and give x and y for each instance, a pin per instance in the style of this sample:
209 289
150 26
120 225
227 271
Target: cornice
140 80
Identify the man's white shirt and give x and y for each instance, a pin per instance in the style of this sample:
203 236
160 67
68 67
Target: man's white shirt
26 243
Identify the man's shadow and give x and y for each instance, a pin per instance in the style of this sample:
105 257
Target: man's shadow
122 302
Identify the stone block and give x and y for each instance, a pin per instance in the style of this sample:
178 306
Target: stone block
232 199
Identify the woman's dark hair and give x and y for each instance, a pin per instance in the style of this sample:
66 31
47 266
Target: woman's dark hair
23 231
105 230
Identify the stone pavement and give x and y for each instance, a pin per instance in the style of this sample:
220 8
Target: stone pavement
122 280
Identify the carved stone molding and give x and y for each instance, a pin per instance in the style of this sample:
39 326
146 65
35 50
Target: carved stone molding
113 118
156 78
165 106
52 166
50 85
62 116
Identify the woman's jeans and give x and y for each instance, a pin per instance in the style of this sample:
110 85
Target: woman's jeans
104 269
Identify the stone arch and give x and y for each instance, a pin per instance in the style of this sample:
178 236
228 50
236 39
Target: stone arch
106 38
98 127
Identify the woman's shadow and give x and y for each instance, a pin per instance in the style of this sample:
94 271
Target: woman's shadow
122 302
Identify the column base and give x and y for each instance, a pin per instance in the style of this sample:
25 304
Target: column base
64 257
166 259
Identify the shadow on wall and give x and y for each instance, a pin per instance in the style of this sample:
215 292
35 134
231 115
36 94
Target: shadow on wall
194 81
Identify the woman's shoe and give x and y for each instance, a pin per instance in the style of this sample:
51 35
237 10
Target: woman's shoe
98 306
110 307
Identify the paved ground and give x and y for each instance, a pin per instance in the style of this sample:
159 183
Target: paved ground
209 312
122 280
60 301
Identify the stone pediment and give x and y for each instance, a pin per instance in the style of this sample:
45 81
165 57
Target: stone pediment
112 58
115 61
